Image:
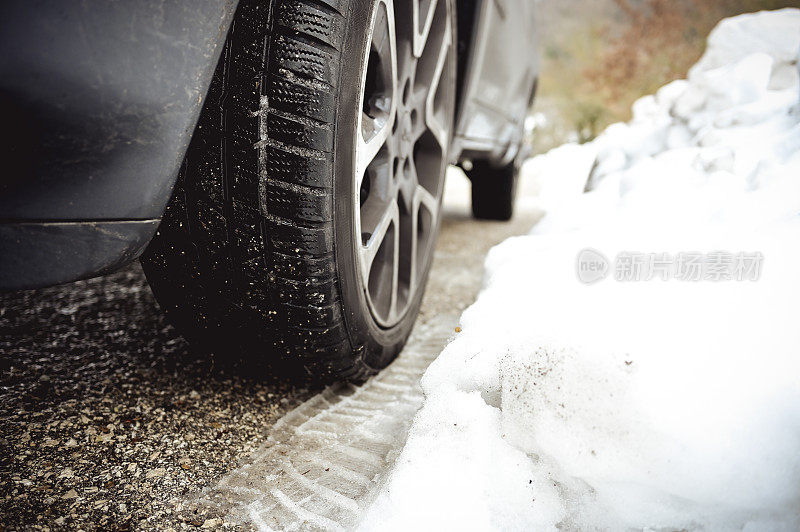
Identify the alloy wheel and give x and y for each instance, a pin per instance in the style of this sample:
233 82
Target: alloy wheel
403 136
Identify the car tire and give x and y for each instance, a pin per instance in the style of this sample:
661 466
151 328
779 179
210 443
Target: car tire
493 190
314 133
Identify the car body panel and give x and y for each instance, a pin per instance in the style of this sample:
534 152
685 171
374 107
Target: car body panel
45 253
500 77
100 100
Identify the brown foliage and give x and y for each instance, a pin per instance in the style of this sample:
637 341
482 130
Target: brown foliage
599 56
660 40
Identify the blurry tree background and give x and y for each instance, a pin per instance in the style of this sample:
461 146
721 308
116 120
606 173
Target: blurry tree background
599 56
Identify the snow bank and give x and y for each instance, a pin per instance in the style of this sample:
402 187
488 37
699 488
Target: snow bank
775 35
651 404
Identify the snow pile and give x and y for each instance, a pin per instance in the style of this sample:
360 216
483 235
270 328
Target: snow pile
651 404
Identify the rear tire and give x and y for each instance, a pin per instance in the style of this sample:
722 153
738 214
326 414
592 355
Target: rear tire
260 252
493 190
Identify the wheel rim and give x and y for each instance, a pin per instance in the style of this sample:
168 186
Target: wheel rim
402 140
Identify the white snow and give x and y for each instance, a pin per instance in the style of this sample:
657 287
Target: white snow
641 404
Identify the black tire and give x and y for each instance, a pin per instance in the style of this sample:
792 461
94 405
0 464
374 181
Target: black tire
256 255
493 190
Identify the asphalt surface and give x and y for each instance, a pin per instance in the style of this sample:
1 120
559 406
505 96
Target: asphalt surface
108 419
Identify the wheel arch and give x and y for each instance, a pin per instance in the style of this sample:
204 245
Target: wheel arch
99 121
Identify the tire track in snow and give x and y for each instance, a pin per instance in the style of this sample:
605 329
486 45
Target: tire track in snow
323 461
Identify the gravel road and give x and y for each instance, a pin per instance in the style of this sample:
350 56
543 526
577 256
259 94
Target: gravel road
107 417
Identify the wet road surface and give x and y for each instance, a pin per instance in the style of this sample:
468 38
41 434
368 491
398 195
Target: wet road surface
109 421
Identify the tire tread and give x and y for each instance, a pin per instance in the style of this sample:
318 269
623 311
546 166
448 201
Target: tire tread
271 107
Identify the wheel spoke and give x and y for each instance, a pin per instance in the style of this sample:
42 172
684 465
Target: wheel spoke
422 20
366 151
408 187
374 130
389 217
434 122
427 200
422 199
369 253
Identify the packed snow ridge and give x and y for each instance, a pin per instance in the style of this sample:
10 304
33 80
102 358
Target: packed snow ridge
669 402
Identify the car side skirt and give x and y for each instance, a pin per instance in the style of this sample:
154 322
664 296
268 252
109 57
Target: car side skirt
34 254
